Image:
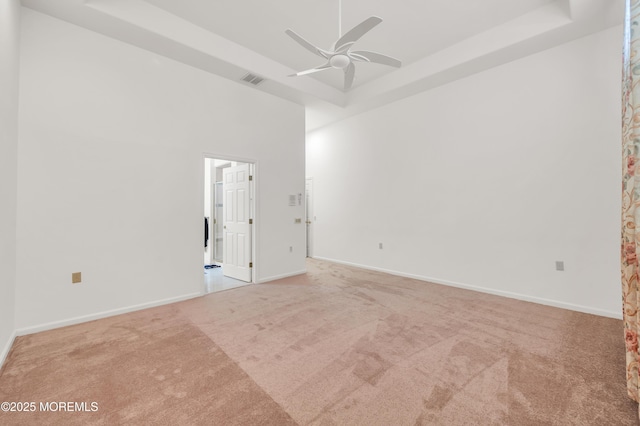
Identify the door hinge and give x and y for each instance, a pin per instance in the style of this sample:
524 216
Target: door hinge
250 221
250 264
250 177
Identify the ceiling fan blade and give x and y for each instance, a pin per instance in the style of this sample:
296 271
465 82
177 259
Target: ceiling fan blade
378 58
304 43
355 33
349 74
311 71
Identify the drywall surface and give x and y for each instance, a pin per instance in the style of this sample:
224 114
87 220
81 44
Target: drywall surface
111 159
486 182
9 77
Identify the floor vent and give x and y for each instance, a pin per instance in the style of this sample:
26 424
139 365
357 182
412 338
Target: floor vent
252 79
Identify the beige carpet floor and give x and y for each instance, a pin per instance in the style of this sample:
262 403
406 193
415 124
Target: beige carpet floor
338 346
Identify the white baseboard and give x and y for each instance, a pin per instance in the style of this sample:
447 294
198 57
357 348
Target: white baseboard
104 314
279 277
511 295
7 348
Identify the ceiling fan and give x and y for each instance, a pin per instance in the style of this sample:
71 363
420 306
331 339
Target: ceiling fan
341 56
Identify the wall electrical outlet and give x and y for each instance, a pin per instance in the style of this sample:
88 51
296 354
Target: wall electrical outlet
290 249
559 265
76 277
380 246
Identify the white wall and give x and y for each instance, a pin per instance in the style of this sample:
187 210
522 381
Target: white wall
486 181
9 69
111 173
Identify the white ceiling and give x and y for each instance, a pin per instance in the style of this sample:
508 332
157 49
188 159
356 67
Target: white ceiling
437 40
411 30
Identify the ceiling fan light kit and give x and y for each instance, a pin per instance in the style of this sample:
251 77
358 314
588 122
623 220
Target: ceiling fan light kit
341 56
339 61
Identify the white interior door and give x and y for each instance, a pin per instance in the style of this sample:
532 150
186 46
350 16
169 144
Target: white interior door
218 223
309 215
237 229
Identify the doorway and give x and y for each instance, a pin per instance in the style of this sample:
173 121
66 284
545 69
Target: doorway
229 211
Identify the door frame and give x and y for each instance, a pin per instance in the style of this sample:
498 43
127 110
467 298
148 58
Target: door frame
255 205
